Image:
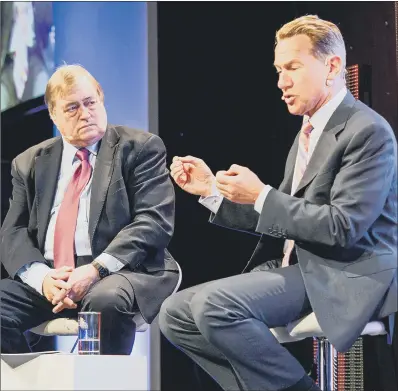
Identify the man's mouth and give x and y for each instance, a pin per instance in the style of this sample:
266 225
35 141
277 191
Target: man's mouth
289 99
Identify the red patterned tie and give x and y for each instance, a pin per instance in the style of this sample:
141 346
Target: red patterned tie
65 226
302 161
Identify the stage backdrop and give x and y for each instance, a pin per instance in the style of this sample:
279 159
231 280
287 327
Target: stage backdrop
110 39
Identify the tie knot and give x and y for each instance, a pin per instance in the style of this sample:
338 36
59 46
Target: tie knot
307 128
82 154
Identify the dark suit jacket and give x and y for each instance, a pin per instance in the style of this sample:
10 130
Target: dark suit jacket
131 210
343 218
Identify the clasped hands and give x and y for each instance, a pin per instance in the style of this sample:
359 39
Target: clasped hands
65 286
237 184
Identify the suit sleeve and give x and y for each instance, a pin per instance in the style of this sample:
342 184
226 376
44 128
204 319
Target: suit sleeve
151 198
358 195
17 248
239 217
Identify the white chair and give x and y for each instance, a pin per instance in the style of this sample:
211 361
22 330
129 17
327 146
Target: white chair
63 327
308 327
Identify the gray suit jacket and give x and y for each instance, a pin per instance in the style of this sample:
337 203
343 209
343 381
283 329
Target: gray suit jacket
343 218
131 210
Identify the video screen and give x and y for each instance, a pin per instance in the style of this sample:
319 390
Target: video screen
27 50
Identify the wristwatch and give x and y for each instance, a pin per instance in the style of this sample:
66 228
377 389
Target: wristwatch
102 270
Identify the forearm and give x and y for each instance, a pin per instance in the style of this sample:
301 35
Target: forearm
138 242
33 274
110 262
151 203
235 216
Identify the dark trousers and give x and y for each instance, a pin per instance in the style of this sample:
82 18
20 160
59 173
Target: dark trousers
22 307
224 326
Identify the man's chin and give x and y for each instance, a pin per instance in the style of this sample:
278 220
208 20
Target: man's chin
294 110
92 140
88 139
91 133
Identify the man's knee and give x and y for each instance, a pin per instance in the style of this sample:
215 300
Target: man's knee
213 305
108 300
164 316
172 314
7 304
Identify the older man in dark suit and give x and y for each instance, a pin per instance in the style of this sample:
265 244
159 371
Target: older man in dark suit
91 215
335 211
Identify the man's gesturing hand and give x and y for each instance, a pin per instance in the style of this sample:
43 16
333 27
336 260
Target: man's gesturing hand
192 174
239 184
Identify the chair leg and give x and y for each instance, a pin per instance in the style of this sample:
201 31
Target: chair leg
331 370
74 346
321 363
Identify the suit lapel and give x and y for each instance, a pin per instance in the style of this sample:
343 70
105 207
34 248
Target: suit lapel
46 177
327 141
286 184
102 177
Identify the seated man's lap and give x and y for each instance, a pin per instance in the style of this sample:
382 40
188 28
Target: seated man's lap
275 297
23 307
113 291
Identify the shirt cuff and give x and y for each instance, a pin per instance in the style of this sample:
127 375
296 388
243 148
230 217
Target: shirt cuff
214 200
110 262
258 206
33 274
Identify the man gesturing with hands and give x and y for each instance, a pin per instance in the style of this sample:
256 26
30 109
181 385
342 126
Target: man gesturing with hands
238 184
332 224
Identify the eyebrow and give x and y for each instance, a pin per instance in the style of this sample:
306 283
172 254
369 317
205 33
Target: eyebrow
76 102
290 63
70 104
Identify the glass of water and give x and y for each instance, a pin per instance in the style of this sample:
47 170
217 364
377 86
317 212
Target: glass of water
89 341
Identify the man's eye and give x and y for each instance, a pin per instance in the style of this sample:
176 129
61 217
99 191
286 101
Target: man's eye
71 109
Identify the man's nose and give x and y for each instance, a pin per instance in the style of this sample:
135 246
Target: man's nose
84 112
284 81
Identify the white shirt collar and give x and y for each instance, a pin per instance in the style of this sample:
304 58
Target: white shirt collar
70 150
322 116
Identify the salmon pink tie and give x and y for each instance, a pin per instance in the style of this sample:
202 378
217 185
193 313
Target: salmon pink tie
65 226
301 165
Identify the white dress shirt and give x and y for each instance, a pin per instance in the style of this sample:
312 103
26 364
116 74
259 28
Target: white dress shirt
318 121
33 274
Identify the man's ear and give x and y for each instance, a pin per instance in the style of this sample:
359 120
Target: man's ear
335 64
